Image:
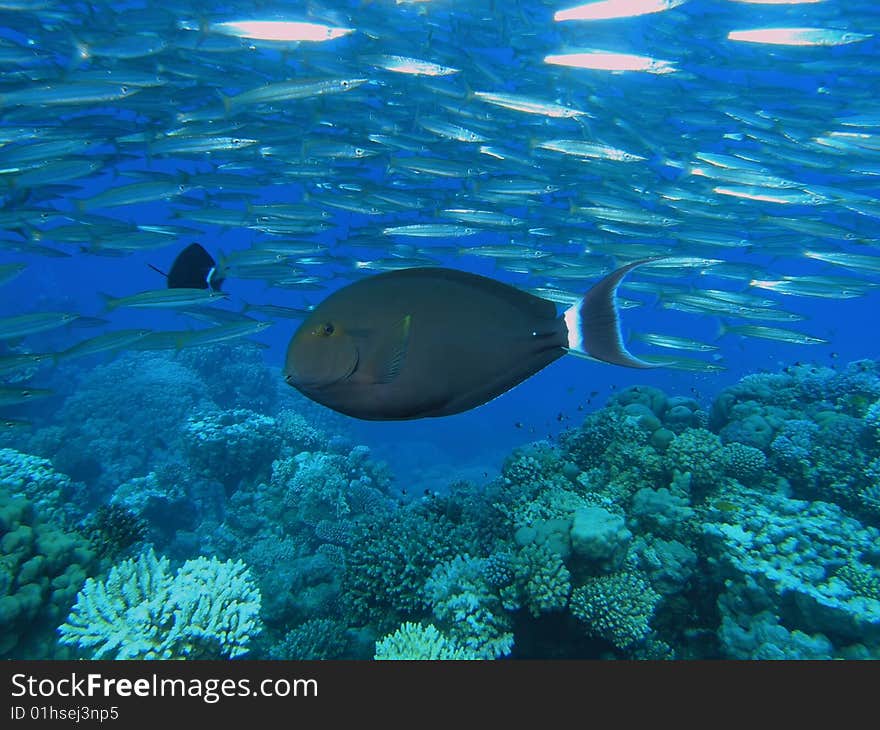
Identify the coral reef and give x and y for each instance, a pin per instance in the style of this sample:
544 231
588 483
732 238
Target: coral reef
659 527
53 494
121 421
317 638
467 608
784 556
234 375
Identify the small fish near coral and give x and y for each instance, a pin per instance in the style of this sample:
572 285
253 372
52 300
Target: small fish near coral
427 342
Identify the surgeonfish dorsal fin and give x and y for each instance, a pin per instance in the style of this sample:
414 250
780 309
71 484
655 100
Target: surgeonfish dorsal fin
594 322
391 354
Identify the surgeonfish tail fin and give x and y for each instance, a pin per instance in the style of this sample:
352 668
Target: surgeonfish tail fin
594 323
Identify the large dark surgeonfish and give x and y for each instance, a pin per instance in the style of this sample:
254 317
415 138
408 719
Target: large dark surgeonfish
194 268
427 342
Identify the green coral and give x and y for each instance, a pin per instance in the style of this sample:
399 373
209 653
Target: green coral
744 463
535 577
209 609
37 480
414 641
700 453
616 607
391 559
862 579
41 570
317 638
468 609
545 581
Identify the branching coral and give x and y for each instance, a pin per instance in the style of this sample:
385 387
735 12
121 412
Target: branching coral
391 559
414 641
318 638
700 453
208 609
112 529
616 607
468 608
744 463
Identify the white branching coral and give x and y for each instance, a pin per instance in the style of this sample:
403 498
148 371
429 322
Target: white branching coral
414 641
209 609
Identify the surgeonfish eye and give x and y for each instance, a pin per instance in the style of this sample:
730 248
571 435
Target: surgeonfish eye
326 329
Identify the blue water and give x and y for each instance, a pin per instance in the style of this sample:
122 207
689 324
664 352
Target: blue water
726 97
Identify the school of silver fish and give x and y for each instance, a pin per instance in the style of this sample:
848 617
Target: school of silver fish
335 140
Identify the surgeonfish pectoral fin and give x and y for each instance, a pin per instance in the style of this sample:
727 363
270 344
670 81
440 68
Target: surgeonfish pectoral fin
392 352
594 323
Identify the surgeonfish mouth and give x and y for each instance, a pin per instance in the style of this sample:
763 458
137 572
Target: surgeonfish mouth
291 378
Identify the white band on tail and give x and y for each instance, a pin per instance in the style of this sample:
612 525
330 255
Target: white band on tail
573 322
